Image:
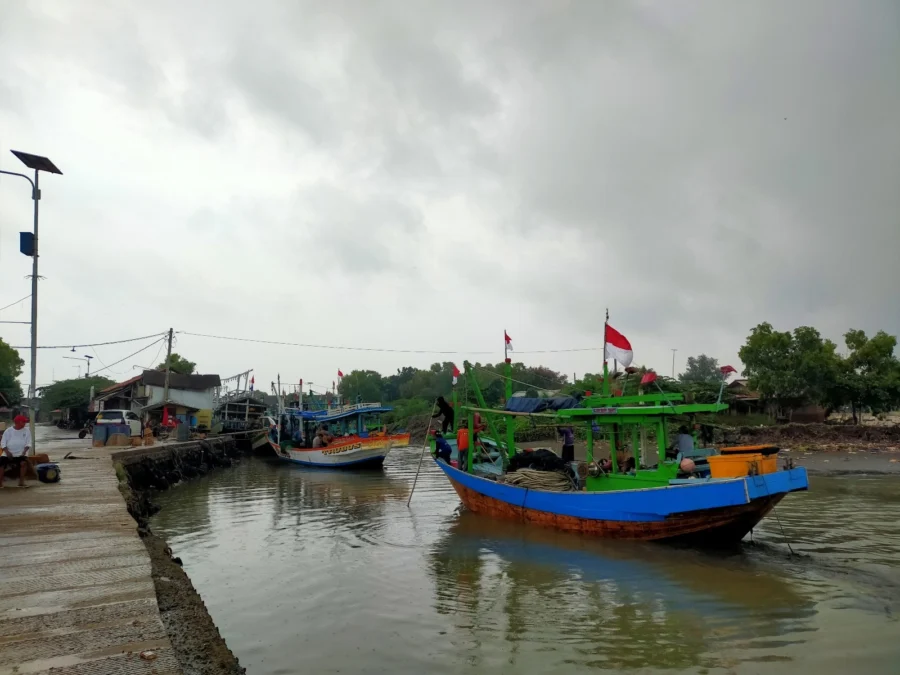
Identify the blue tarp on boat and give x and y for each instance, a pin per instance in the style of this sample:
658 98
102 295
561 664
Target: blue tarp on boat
521 404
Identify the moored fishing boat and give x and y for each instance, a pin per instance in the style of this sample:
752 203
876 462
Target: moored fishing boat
399 439
649 488
335 437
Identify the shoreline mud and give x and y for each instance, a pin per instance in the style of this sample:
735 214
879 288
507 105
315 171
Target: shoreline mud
197 642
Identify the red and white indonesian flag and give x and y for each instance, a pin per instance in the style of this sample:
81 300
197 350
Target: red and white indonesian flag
508 341
340 374
617 347
455 374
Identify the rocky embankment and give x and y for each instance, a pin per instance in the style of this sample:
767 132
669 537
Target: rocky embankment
200 648
824 436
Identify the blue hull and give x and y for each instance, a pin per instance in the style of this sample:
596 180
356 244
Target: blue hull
717 512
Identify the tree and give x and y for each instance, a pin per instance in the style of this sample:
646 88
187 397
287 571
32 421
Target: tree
701 368
367 384
871 374
799 367
72 393
178 364
10 369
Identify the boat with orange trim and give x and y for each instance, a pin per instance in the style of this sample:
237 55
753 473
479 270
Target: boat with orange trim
649 488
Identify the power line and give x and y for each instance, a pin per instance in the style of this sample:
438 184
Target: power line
16 302
127 357
378 349
95 344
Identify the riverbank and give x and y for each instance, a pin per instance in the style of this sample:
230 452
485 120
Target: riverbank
86 587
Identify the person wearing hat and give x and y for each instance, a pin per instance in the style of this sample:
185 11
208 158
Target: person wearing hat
14 446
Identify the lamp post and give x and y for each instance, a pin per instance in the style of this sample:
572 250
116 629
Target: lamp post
38 163
673 363
86 358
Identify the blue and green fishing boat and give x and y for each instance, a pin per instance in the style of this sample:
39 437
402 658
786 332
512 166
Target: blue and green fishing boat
643 488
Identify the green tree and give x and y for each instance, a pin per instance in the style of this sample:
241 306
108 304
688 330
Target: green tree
71 393
701 368
367 384
178 364
799 367
10 368
871 374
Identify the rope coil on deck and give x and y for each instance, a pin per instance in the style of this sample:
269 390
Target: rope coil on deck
533 479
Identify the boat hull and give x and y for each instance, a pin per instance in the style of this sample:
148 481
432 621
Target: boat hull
357 454
399 440
710 513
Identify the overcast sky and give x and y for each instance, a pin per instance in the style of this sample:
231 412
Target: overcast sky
422 175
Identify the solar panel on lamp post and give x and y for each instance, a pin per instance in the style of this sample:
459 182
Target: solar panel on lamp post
38 163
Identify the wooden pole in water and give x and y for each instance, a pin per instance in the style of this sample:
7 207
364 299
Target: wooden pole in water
424 445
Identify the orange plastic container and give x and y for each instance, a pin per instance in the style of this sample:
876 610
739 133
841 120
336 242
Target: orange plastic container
740 465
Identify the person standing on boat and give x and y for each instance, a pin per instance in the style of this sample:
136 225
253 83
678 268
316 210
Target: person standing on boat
445 410
568 443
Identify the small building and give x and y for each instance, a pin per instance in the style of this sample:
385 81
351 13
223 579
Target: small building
190 396
743 401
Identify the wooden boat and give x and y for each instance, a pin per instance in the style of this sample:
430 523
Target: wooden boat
399 439
348 442
662 498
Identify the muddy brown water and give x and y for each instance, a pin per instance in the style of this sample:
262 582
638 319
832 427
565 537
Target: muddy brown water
329 572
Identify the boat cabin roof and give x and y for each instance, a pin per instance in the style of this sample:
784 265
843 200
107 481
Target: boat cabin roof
339 412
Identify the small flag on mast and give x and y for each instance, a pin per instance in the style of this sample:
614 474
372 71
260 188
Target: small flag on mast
252 382
648 378
455 374
727 370
508 341
340 374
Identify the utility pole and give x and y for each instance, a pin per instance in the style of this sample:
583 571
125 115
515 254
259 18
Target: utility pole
168 368
673 363
38 163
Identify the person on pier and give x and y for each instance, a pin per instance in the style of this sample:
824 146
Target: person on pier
14 446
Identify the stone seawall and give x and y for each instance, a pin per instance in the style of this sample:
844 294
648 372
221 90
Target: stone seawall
197 642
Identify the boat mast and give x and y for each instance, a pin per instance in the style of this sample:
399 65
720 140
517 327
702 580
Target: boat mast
510 423
280 399
605 366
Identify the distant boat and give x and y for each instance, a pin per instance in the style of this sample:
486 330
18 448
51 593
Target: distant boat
344 430
399 439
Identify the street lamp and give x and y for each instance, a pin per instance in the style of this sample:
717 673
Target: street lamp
86 358
673 363
39 164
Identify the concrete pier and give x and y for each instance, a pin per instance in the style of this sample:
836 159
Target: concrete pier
76 592
78 586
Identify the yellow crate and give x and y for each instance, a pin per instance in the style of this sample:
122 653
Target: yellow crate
740 465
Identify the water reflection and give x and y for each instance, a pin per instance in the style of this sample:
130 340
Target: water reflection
328 572
612 605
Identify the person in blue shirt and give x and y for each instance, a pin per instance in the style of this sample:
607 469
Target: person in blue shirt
442 447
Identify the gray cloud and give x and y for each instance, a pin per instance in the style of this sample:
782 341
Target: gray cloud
697 167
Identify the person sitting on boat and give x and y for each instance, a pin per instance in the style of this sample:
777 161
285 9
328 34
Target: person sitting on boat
445 410
684 442
319 440
442 447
